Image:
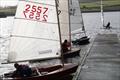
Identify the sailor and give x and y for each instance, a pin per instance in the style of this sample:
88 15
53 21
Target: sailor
65 46
108 25
22 70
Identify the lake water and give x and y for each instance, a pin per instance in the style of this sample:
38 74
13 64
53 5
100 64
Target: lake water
92 23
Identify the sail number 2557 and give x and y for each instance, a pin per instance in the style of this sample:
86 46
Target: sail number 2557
34 12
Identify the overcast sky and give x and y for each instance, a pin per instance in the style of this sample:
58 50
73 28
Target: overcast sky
4 3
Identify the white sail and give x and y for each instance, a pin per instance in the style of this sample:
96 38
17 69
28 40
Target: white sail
35 32
64 19
102 14
76 21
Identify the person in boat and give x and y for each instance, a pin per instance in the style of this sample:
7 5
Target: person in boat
65 46
22 71
108 25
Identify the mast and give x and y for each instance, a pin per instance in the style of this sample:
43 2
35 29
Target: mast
63 14
102 14
69 22
57 5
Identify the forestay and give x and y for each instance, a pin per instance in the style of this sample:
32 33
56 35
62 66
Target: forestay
35 32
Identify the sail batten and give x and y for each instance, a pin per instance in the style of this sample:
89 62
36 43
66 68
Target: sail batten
38 21
35 33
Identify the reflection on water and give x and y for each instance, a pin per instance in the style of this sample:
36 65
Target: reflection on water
92 23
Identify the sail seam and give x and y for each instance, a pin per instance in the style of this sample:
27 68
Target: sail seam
41 21
32 37
36 20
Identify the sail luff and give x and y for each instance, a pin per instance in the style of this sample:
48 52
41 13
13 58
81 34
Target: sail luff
59 27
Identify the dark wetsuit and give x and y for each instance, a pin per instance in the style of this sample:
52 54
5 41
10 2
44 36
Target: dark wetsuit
108 25
23 71
65 46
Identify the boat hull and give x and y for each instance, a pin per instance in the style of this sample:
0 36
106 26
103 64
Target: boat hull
54 72
81 41
72 53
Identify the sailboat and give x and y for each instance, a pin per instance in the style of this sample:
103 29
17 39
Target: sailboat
64 19
102 14
102 17
77 24
37 35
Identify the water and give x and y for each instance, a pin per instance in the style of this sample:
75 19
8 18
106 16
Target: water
92 23
5 29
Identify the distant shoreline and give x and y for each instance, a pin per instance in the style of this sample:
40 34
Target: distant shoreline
100 11
106 9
